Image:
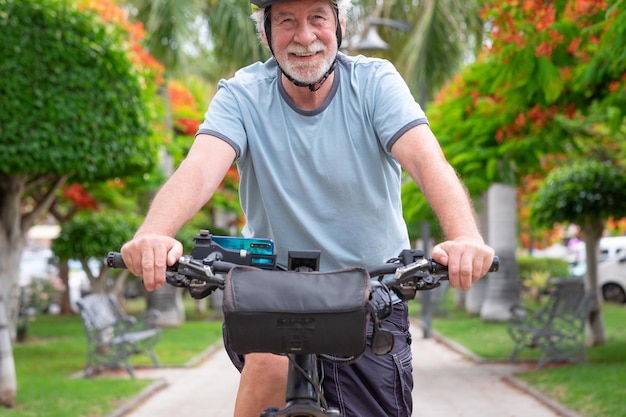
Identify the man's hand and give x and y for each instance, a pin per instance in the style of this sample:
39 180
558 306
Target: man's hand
467 260
148 256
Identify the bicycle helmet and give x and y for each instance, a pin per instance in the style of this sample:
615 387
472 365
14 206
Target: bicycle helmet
267 6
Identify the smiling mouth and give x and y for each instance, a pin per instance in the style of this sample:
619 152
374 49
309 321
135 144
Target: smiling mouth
304 54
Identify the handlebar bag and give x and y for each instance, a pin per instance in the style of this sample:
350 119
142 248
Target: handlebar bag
296 312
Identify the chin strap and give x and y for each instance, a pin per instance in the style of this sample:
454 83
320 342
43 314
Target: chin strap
311 86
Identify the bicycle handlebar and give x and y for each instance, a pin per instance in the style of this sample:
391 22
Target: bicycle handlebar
405 275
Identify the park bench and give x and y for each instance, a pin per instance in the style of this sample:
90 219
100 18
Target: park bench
557 329
113 336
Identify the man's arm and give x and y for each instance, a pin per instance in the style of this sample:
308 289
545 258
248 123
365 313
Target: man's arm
465 253
153 247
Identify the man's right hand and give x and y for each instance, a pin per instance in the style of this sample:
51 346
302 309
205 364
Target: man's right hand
149 255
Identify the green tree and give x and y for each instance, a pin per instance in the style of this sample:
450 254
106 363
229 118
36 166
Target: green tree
90 236
586 193
549 79
73 106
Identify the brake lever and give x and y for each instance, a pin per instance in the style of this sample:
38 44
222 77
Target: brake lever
424 274
199 276
414 277
428 283
177 280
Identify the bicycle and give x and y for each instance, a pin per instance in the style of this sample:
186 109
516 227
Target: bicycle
200 272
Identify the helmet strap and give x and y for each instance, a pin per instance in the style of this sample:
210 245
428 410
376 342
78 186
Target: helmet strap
311 86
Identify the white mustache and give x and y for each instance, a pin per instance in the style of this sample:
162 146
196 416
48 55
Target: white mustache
297 49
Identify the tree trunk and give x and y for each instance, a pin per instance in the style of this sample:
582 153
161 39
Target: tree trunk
216 302
12 241
168 301
8 380
98 286
592 232
475 297
64 274
503 287
120 282
459 298
14 225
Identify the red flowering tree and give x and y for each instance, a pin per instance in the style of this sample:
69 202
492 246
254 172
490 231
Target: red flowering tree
549 81
187 114
552 77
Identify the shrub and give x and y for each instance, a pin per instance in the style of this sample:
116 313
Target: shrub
529 266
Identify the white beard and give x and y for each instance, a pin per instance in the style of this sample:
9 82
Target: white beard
307 73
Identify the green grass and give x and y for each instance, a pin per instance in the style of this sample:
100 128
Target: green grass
593 389
56 350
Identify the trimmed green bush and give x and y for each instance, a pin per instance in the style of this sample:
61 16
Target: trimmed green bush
556 268
72 100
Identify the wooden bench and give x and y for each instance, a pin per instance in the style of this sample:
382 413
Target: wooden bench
113 336
557 329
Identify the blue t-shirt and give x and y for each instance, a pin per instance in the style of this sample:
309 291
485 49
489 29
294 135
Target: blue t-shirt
323 179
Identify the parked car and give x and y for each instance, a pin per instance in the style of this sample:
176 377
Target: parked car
612 248
36 262
612 279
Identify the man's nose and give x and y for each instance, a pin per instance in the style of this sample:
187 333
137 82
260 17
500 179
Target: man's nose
304 34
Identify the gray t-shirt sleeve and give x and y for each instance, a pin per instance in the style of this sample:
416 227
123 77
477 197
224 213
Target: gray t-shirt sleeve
395 110
223 119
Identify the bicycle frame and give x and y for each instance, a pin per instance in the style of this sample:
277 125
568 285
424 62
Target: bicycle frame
303 396
303 390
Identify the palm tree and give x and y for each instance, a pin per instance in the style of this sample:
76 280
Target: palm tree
172 28
442 35
230 24
195 36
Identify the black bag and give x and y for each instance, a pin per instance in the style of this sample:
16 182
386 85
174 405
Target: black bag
297 312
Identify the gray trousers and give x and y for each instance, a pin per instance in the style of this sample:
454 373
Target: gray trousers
375 386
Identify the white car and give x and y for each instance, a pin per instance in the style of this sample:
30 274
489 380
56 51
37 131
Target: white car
36 262
39 263
612 279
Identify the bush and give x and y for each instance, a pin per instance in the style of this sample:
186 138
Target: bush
530 266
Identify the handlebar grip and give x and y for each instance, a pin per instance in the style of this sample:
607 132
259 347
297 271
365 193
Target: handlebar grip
115 260
495 265
438 268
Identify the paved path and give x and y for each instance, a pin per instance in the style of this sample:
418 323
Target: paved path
446 384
